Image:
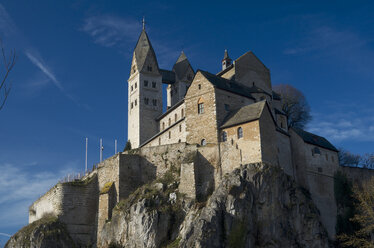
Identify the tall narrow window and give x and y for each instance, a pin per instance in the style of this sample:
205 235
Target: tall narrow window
154 102
180 128
240 132
136 85
169 135
169 121
136 102
132 88
163 125
146 100
182 113
224 136
153 84
175 117
146 83
200 108
132 105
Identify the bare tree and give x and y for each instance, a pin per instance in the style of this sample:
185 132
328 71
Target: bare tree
294 105
367 160
8 64
347 158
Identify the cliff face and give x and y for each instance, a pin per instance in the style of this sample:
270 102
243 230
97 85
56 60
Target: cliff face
254 206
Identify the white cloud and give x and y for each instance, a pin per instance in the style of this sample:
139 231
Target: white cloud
109 31
340 124
7 26
44 68
20 186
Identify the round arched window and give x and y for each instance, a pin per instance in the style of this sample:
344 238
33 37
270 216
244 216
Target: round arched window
203 142
240 132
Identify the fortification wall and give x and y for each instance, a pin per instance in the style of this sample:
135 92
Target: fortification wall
357 175
75 203
284 153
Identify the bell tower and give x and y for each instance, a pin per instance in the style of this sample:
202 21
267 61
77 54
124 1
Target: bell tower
144 92
226 61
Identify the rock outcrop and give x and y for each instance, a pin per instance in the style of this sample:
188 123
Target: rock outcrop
256 205
44 233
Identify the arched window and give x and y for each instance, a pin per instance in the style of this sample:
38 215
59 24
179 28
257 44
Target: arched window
240 132
224 136
200 106
203 142
175 117
182 113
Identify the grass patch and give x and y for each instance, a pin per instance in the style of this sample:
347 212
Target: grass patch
84 182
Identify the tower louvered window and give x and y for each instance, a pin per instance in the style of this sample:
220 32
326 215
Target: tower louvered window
154 102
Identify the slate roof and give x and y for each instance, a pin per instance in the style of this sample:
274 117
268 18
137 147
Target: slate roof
181 66
279 112
168 77
276 96
143 49
228 85
244 114
314 139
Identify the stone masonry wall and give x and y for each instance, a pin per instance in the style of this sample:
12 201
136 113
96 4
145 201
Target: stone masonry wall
284 155
201 126
75 203
268 138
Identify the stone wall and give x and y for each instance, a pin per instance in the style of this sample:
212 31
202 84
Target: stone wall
268 137
171 135
201 126
227 101
357 175
75 203
284 155
249 145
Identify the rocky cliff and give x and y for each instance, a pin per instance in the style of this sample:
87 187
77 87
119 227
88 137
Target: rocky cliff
256 205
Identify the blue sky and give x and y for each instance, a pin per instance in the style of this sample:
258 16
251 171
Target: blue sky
74 58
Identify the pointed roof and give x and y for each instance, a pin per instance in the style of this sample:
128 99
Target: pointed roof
314 139
143 50
228 85
244 114
181 66
226 56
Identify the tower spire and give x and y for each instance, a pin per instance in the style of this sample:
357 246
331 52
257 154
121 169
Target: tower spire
143 22
226 62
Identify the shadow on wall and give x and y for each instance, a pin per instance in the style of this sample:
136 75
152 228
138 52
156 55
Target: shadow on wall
135 171
204 178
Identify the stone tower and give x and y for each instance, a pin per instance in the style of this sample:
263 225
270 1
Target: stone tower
183 77
145 93
226 61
